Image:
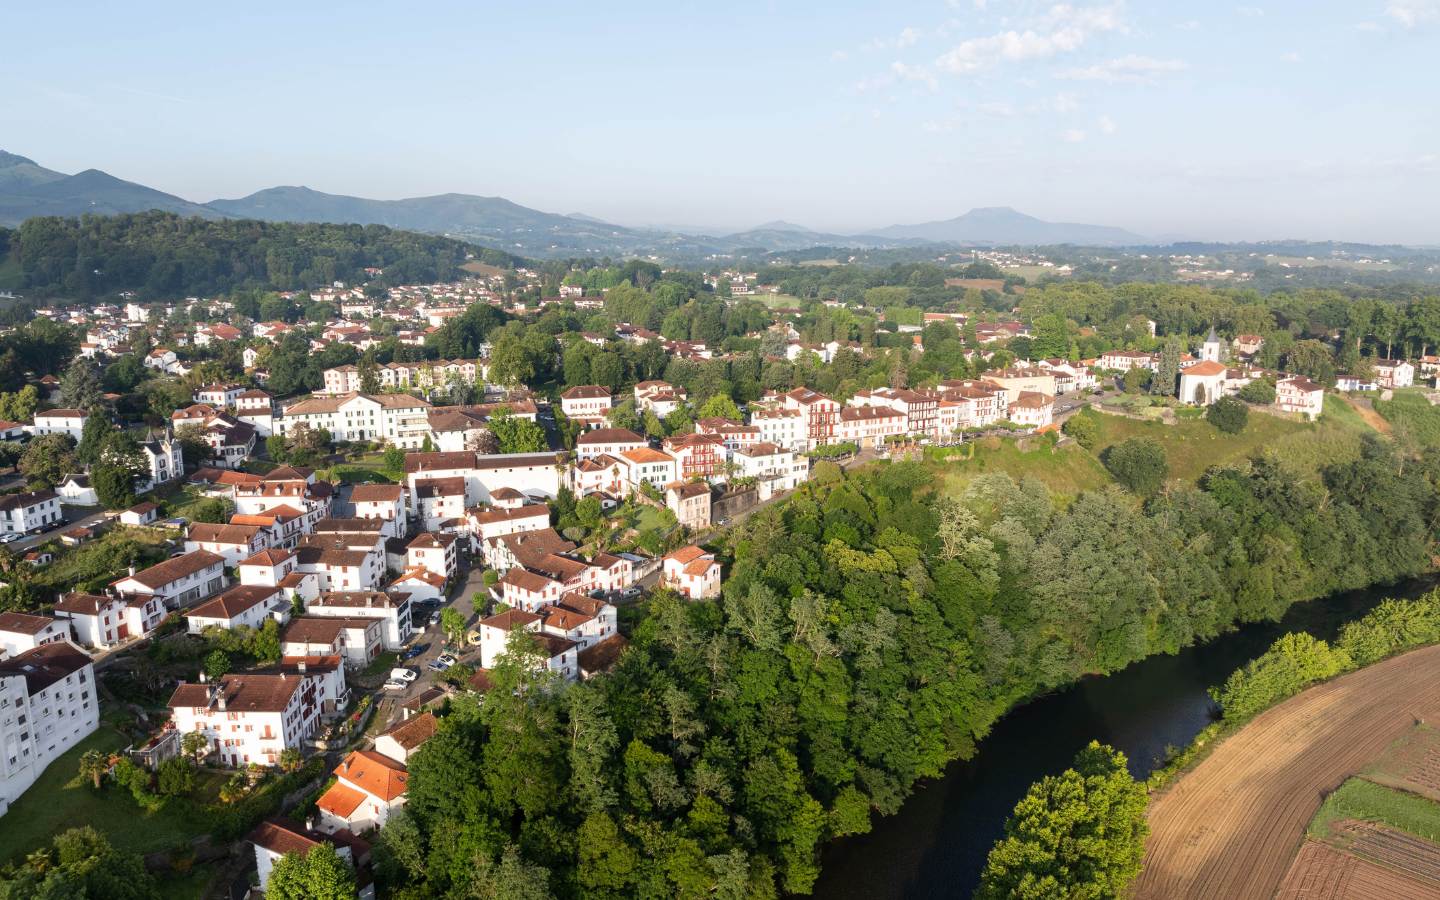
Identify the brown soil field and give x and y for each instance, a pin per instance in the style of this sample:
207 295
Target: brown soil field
1230 826
1411 764
1321 872
1404 853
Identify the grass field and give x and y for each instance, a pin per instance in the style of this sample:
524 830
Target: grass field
1067 471
1367 801
1032 273
1411 416
60 799
781 301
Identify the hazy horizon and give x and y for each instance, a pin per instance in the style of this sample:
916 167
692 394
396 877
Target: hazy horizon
1310 121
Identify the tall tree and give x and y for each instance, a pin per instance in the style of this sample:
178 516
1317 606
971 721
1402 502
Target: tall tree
80 385
316 874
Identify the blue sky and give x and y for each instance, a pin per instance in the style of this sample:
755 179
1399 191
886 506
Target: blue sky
1303 119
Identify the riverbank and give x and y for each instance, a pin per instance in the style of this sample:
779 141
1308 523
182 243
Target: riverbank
937 843
1231 825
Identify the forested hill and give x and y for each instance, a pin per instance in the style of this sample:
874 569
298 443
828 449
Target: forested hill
161 255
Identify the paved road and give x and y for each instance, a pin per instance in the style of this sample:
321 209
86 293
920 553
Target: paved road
460 598
71 516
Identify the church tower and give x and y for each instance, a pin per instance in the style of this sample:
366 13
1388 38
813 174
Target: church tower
1210 350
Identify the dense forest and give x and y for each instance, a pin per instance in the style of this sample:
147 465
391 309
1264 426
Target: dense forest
871 630
163 256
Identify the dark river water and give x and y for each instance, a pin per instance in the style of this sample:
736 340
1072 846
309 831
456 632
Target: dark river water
936 845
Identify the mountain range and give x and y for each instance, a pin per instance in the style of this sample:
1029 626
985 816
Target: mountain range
28 189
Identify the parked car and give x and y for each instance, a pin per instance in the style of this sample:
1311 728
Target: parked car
434 619
436 666
414 651
446 660
394 686
404 675
631 593
10 538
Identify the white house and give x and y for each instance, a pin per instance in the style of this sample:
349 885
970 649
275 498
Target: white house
76 490
692 573
402 740
1033 409
164 460
649 466
587 404
248 717
381 501
29 511
439 502
607 442
236 543
368 787
24 631
435 553
1301 395
274 838
48 704
178 582
103 621
60 421
1389 373
356 640
398 419
392 611
245 605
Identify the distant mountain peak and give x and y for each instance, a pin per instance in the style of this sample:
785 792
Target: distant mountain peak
11 159
1005 225
782 225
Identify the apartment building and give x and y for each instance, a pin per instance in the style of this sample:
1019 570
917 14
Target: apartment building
48 704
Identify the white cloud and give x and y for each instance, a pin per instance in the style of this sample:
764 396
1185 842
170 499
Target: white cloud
1072 136
1250 12
907 72
1290 57
1410 13
1130 68
908 36
1107 125
1188 25
999 109
838 56
1063 29
1063 102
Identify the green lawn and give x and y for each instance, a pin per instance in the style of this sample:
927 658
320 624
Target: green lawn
1067 471
60 799
382 664
1370 802
1412 416
90 566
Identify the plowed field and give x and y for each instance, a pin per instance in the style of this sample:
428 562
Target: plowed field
1231 826
1321 872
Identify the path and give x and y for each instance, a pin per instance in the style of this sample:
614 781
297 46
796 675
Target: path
1231 826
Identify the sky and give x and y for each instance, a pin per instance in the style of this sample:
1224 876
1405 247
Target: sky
1199 120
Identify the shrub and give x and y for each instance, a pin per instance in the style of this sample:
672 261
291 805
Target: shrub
1083 428
1228 414
1391 627
1261 392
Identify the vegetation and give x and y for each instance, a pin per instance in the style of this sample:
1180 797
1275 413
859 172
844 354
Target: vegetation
81 863
1077 834
1139 464
1297 660
1361 799
871 630
318 874
161 255
1228 414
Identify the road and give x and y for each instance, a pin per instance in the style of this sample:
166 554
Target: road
460 598
71 517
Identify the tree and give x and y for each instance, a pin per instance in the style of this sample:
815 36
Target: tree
291 759
453 624
316 874
1139 464
175 777
1083 428
516 435
194 744
1260 392
1313 360
19 406
1078 834
48 459
92 435
120 464
393 459
719 406
80 385
1229 414
193 447
276 447
1167 369
217 664
93 765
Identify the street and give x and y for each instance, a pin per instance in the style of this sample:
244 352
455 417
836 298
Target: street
71 516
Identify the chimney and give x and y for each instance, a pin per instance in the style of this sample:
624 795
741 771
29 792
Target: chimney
203 679
301 667
131 569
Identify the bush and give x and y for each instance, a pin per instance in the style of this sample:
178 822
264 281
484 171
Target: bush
1083 428
1228 414
1391 627
1293 663
1139 464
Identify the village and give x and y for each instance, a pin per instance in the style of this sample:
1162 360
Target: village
400 552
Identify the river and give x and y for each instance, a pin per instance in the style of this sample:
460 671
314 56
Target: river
936 845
